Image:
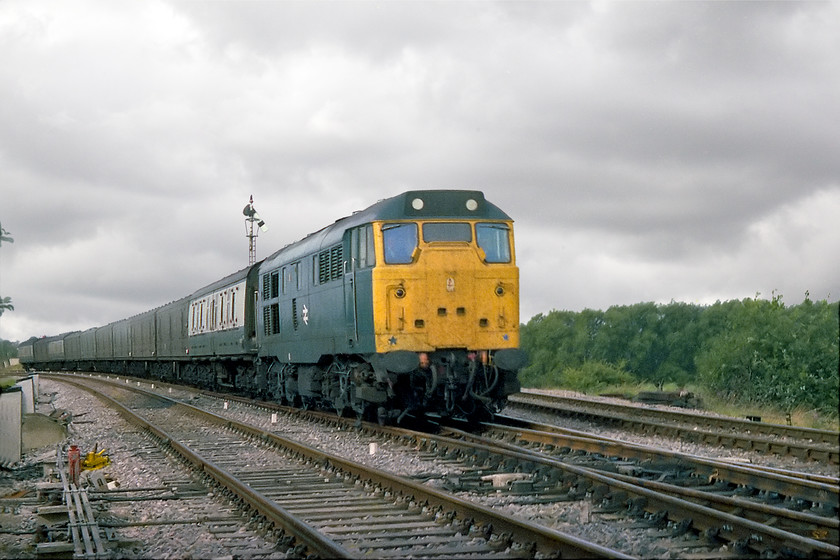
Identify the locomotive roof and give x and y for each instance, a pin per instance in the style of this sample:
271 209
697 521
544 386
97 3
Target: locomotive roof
434 204
422 205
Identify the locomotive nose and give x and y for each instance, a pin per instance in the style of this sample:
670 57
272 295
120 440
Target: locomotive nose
451 300
441 307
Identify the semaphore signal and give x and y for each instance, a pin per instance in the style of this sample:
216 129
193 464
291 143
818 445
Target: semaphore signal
251 218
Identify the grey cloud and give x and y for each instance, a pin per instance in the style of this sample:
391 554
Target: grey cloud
643 143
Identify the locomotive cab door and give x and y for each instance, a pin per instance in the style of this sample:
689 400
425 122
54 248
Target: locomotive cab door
358 277
351 330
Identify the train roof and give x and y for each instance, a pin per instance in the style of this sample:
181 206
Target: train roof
233 278
418 205
434 204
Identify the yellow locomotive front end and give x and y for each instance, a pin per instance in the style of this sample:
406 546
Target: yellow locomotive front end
445 298
446 284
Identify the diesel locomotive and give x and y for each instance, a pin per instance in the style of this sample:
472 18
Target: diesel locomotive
405 309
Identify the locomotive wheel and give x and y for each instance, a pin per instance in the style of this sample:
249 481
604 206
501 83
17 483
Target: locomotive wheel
338 375
274 388
341 405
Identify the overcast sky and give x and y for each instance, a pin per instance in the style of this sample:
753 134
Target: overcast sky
648 151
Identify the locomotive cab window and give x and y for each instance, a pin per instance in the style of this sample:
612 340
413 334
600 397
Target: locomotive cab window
447 231
494 240
361 247
400 241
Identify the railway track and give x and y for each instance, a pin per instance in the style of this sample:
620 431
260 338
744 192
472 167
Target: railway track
144 505
803 505
329 506
804 443
756 511
819 491
560 473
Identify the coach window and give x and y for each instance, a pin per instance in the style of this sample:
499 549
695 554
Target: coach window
400 240
494 240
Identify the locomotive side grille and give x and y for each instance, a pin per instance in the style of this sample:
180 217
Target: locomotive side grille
336 268
330 264
266 286
267 320
323 266
271 319
275 284
294 313
271 285
275 318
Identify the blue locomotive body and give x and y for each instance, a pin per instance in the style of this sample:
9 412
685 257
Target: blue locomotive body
324 321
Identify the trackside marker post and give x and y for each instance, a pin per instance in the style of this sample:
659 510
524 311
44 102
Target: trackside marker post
73 460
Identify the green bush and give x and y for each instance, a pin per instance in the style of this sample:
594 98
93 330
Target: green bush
776 355
750 351
595 377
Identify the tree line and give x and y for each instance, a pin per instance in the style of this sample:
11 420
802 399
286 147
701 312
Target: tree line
746 351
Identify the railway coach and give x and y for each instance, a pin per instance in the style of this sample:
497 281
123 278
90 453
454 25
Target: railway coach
408 307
